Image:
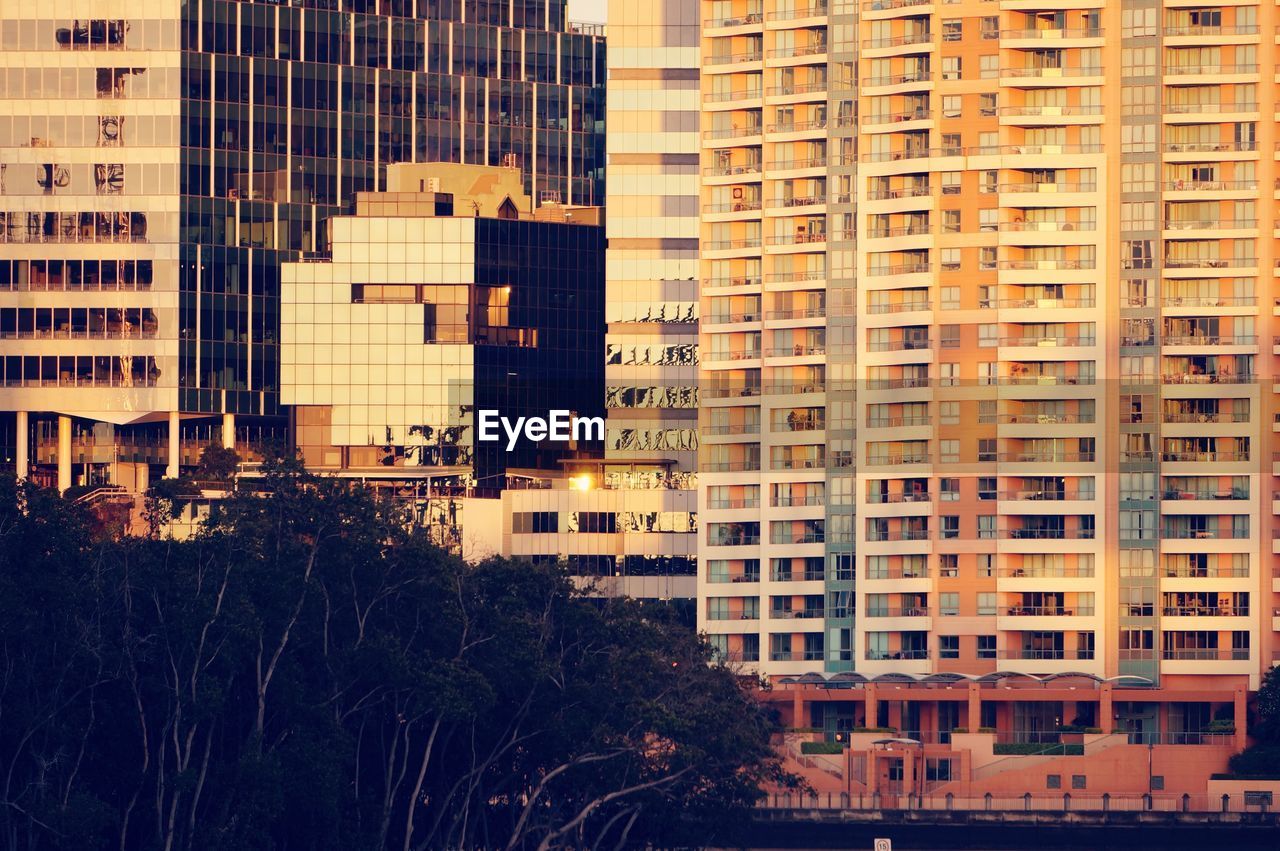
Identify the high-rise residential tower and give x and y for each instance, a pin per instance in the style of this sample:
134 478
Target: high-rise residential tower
161 159
987 297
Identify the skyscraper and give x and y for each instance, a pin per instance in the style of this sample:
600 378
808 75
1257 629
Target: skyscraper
160 164
986 299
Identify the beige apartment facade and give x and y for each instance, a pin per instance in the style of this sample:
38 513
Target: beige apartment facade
987 341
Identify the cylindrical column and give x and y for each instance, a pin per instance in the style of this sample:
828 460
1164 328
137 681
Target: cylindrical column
228 431
64 453
171 472
22 439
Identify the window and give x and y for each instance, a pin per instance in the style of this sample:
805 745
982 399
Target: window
949 451
987 256
593 522
986 527
950 490
952 30
950 337
535 522
950 298
988 335
948 647
949 565
951 179
990 28
988 103
1078 781
950 221
986 561
1053 781
987 449
949 413
986 603
949 603
989 66
986 647
951 67
950 259
987 487
950 526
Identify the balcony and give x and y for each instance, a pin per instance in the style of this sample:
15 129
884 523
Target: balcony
902 192
1205 654
1048 341
1209 185
1208 147
898 535
734 58
1047 611
1211 70
1053 34
1051 73
1174 494
1047 495
798 126
897 41
726 97
736 21
732 281
886 498
1212 29
1210 340
1210 224
1046 457
1205 456
900 346
1207 378
1206 611
1043 303
1047 534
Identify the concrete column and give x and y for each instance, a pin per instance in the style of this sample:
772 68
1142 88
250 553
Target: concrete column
171 472
975 707
1105 711
798 718
1241 711
22 439
228 431
869 696
64 453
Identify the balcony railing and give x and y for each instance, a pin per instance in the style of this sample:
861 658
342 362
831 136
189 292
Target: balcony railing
1206 611
913 496
1048 611
1210 224
1205 654
1206 455
1203 534
735 58
897 40
1054 34
1209 185
1027 186
1207 378
736 21
1025 73
1210 340
1215 70
899 346
1212 29
1047 534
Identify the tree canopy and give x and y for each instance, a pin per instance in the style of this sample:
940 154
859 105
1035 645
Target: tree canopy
307 672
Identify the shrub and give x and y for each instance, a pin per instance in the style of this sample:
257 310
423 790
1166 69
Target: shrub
821 747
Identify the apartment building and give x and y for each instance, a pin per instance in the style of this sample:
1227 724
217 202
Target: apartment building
160 159
987 302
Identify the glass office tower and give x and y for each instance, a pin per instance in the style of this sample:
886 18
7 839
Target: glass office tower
160 160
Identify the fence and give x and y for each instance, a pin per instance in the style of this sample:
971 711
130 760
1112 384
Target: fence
1250 802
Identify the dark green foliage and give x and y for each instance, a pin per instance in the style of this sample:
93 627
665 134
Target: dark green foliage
821 747
308 674
217 464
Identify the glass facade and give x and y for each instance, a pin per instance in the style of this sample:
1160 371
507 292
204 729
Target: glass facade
157 167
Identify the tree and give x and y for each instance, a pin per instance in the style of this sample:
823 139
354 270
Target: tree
217 464
1266 726
309 672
